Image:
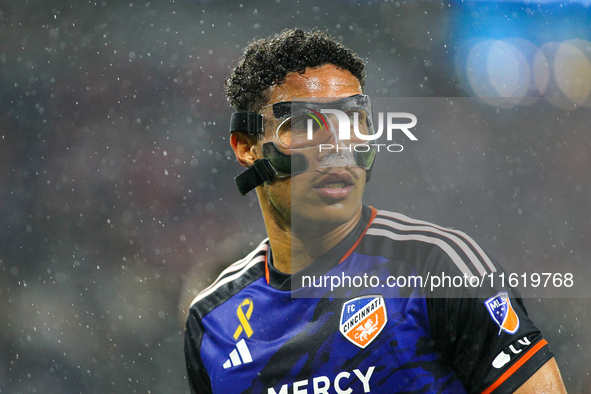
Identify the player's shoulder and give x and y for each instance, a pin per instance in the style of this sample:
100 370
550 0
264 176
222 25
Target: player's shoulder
232 279
406 238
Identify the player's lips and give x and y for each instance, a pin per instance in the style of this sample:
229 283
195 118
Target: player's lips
335 185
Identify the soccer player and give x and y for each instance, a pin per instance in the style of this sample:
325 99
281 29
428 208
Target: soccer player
260 328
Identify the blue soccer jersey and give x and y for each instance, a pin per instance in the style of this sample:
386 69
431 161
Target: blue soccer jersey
257 330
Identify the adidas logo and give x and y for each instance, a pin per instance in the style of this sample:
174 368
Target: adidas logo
234 359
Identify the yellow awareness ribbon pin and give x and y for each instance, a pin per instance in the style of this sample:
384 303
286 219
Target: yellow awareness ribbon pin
244 318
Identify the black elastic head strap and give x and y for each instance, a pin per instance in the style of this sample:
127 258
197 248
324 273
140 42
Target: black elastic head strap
248 122
261 171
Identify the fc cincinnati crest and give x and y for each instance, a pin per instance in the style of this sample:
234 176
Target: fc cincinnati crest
362 319
500 309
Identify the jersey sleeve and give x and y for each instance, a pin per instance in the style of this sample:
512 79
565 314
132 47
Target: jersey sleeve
199 381
487 336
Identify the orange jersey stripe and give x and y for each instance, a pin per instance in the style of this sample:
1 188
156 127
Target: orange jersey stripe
267 268
516 366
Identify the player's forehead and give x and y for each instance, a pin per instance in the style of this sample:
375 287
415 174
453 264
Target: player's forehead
324 81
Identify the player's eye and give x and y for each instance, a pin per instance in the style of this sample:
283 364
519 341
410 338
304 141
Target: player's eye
304 123
300 130
359 119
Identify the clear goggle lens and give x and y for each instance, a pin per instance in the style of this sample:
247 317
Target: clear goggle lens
311 122
320 132
305 130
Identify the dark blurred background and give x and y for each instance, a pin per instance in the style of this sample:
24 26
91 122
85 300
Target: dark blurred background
117 201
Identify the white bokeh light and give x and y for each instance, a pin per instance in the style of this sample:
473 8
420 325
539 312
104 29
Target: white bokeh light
497 69
507 69
572 70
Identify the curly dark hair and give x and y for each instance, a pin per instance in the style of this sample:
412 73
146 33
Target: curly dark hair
267 61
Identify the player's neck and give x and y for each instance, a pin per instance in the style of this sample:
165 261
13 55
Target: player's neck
295 249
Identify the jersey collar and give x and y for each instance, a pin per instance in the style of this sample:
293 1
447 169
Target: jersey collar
282 281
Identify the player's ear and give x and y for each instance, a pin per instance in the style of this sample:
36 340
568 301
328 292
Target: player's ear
244 148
